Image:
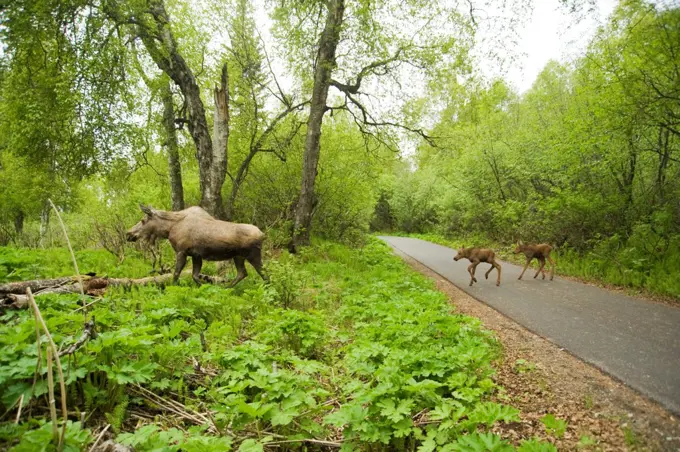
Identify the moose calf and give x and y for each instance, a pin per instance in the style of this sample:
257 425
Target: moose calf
540 252
476 256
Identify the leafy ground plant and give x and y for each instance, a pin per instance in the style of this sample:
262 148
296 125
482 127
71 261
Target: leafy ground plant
355 351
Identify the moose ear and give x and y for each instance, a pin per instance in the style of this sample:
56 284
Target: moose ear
146 209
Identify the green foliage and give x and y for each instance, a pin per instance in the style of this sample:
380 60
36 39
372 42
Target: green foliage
152 438
585 442
535 445
632 440
365 346
523 366
554 426
40 439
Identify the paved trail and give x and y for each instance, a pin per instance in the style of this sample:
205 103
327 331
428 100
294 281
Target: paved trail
634 340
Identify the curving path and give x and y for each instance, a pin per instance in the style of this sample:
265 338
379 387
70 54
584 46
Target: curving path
634 340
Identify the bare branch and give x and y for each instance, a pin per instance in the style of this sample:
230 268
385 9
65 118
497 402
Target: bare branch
372 68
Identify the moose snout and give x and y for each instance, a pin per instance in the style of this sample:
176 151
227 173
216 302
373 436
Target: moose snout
456 258
131 237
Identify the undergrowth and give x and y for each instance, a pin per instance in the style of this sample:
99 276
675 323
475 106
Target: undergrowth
344 348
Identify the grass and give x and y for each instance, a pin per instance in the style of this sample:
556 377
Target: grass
346 346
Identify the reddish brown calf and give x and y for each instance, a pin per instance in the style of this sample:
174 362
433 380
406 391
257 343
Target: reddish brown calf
477 256
540 252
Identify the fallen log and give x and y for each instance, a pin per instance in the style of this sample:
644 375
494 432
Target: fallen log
11 296
37 285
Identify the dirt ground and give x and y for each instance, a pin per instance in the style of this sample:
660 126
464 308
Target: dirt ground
541 378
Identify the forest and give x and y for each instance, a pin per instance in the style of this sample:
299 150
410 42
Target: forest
324 124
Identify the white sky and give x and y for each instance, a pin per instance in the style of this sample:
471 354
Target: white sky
552 33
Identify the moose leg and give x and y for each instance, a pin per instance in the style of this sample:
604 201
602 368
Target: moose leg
472 272
486 276
498 267
179 265
241 272
542 261
197 263
255 259
472 278
552 267
525 268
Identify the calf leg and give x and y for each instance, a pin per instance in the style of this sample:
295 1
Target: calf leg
552 267
472 268
197 263
241 272
179 265
525 268
542 261
486 276
498 267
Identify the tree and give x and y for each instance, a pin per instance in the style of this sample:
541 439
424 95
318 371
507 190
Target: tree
255 129
61 95
418 38
150 22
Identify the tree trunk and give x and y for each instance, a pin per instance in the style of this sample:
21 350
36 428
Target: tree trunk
44 222
19 222
664 157
325 63
162 47
174 167
220 139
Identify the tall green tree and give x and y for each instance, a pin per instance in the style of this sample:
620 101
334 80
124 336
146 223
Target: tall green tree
63 94
347 45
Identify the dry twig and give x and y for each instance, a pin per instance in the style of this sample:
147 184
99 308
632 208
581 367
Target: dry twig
68 242
55 353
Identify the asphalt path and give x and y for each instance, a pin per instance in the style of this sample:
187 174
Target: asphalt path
633 340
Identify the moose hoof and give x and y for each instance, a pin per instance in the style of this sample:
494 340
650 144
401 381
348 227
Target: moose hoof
498 283
519 278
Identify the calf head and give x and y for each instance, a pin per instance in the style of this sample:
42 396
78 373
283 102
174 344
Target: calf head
520 247
462 253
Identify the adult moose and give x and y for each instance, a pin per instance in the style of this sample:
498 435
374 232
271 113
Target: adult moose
540 252
194 232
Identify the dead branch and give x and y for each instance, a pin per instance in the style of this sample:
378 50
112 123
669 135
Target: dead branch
174 407
70 248
51 352
88 332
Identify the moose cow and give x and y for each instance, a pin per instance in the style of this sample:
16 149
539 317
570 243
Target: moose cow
540 252
476 256
194 232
